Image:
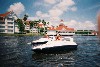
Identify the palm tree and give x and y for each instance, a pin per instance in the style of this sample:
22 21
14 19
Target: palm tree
39 20
31 24
25 17
44 23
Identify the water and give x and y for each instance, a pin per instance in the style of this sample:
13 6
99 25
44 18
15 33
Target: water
16 52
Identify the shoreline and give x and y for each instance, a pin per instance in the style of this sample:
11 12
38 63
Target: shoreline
35 34
27 34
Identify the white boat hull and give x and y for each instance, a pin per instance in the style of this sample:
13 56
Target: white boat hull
56 49
52 45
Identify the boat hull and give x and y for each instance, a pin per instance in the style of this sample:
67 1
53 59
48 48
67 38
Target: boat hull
34 43
56 49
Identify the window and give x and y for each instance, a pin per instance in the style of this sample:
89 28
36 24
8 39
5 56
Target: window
2 30
10 30
79 30
10 19
2 26
10 26
2 22
10 22
85 30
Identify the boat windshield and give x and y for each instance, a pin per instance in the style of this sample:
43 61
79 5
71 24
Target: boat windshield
52 37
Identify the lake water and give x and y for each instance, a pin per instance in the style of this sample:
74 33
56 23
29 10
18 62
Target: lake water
15 52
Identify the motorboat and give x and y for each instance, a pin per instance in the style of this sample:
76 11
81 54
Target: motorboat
43 40
40 41
49 45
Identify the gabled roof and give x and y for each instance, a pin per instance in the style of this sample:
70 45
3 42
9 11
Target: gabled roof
40 24
51 28
62 27
5 14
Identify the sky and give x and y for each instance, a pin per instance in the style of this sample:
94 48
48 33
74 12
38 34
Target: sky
78 14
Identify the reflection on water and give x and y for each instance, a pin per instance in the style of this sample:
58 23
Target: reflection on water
15 52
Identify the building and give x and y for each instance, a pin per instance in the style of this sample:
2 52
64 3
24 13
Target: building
27 26
7 23
40 25
33 30
86 32
62 29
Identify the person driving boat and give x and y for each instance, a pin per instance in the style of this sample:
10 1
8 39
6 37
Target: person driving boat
58 37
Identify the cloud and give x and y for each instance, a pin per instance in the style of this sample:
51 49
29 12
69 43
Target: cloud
60 8
18 8
86 25
33 18
74 8
55 12
50 1
40 4
42 15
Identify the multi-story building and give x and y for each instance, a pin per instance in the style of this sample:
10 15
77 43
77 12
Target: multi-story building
7 23
33 30
62 29
27 26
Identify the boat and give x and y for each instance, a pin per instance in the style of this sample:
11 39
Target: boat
43 40
40 41
51 45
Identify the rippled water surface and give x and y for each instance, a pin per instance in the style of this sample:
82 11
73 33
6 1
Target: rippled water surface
16 52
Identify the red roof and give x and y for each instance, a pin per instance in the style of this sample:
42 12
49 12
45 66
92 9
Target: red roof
61 27
5 14
51 28
40 24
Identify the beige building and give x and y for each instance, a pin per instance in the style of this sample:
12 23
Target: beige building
7 23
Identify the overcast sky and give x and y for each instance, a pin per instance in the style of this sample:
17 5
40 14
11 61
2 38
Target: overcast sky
79 14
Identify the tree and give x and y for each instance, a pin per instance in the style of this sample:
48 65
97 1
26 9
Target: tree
41 30
48 23
25 17
44 23
39 20
31 24
20 25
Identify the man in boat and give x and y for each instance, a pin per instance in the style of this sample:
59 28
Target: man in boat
58 37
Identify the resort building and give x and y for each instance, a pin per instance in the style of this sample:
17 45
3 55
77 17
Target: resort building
62 29
33 30
27 26
40 25
7 23
86 32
